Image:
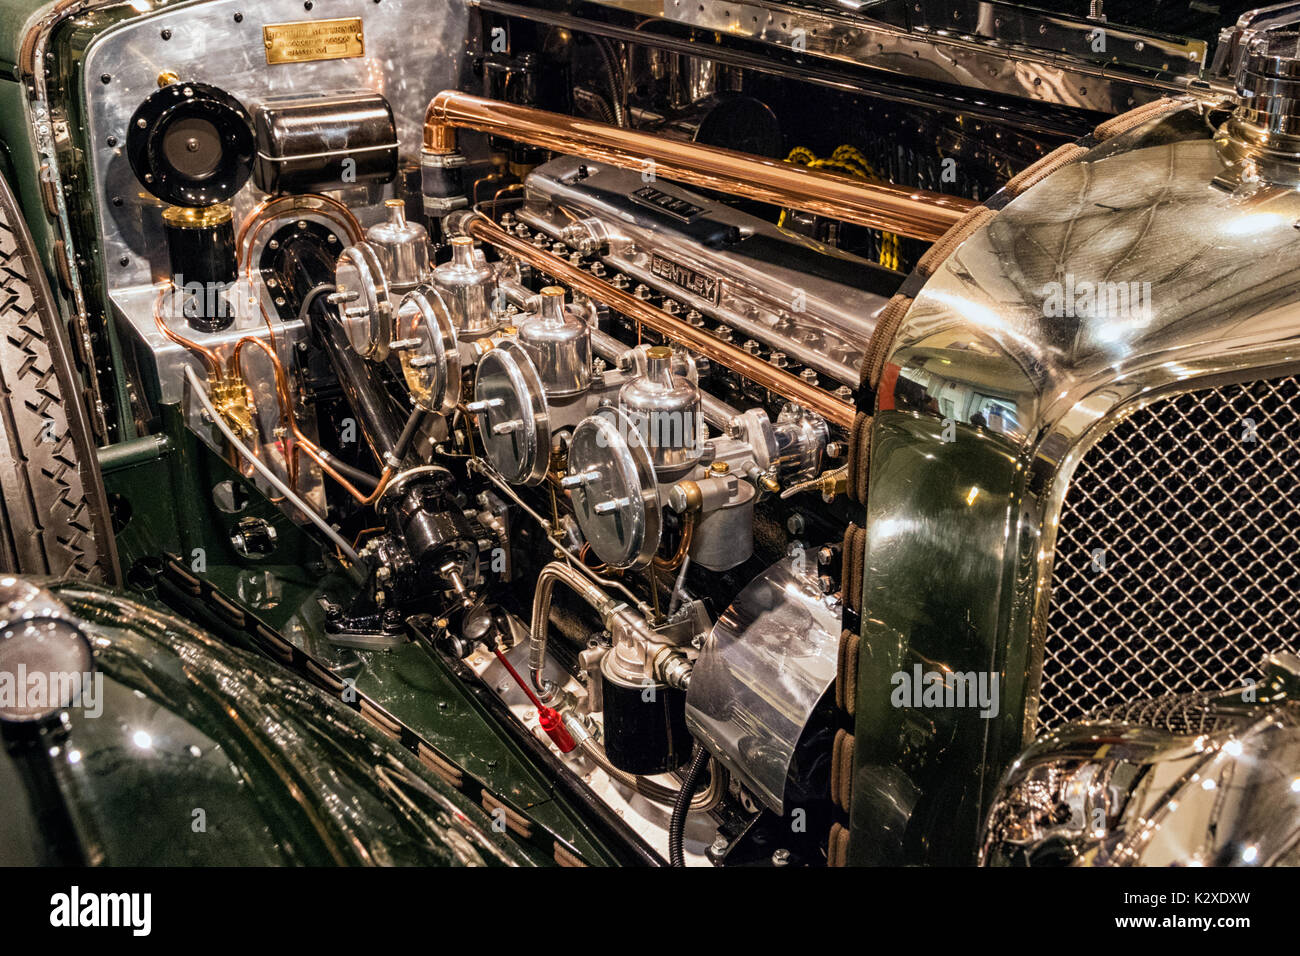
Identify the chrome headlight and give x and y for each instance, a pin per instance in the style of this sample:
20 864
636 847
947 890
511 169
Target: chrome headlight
1198 780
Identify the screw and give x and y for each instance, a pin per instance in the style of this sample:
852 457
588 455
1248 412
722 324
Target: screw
781 858
239 18
167 34
111 141
124 261
105 78
719 846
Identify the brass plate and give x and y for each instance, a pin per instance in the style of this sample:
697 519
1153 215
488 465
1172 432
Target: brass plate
309 40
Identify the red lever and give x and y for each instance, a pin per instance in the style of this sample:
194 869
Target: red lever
548 717
552 723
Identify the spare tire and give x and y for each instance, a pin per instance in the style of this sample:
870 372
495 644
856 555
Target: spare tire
54 516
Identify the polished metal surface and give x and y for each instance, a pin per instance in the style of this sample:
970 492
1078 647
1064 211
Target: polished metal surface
1113 792
559 341
1176 560
724 535
613 489
1188 282
1261 139
760 675
204 42
364 301
468 285
664 408
833 409
431 364
977 45
795 295
918 213
1126 277
510 409
1235 41
402 247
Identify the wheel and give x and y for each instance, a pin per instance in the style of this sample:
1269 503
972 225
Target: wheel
54 516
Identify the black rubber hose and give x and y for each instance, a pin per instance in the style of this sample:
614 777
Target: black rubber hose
677 823
408 433
364 481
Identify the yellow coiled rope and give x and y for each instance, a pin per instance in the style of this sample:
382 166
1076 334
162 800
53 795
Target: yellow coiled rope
846 159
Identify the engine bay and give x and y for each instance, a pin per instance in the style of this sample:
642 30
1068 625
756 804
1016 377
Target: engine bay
506 368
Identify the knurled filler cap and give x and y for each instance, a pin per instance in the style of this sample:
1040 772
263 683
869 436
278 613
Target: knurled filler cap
1268 83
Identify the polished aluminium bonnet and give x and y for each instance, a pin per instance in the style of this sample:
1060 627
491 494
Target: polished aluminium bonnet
1009 349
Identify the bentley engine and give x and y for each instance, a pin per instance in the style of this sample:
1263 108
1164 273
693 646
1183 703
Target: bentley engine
704 434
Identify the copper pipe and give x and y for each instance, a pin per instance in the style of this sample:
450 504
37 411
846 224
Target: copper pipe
306 204
918 213
283 399
737 359
209 357
301 441
673 562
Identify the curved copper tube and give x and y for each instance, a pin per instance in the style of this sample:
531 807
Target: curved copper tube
209 357
283 398
918 213
674 562
300 441
789 386
263 214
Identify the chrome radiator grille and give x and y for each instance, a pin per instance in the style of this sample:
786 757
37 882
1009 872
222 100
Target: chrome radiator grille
1178 551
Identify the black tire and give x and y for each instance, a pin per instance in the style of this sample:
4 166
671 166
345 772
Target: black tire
54 517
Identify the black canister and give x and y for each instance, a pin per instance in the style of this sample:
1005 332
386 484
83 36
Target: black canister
309 142
645 725
201 247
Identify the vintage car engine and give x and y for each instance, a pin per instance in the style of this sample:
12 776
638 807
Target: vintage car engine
620 405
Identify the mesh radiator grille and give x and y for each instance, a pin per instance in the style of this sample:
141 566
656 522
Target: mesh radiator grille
1178 551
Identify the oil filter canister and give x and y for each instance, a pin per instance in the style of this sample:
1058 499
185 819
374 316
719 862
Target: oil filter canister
645 724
